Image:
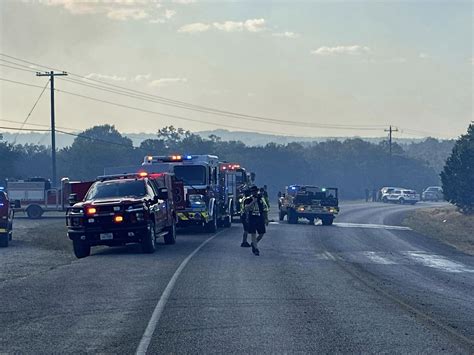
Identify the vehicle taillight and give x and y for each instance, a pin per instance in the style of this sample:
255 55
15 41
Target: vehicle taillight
118 219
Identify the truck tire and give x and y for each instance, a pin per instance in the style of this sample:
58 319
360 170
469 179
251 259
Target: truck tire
34 212
292 217
4 239
211 226
385 199
81 249
170 237
281 216
401 201
327 221
148 241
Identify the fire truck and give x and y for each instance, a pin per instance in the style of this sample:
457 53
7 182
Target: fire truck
36 195
234 181
206 204
310 202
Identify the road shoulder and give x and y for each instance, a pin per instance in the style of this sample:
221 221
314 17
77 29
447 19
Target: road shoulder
445 224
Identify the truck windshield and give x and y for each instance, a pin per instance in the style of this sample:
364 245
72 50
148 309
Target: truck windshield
191 174
106 189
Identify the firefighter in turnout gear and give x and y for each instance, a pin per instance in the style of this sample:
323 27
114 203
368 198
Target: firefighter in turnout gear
244 218
257 209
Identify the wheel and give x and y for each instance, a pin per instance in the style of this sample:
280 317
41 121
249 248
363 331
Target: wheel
211 226
148 241
292 217
81 249
385 199
227 222
281 216
34 212
401 201
4 239
311 220
170 237
327 221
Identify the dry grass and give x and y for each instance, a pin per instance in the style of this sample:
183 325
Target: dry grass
445 224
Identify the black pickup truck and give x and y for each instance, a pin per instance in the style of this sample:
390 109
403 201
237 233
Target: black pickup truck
117 210
6 220
310 202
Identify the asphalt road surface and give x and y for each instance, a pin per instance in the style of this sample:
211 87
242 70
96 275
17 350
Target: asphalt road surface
364 285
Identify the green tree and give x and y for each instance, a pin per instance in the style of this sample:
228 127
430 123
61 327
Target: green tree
8 158
94 149
458 174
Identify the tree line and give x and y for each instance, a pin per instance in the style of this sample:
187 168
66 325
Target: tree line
352 165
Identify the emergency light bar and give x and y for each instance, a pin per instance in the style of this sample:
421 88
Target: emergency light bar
150 159
140 174
230 166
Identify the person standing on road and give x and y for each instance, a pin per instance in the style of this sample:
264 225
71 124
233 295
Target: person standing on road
256 207
366 195
374 195
244 218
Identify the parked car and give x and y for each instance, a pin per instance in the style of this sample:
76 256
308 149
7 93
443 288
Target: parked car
403 196
432 193
385 191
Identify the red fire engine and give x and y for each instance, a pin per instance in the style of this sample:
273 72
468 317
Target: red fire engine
36 195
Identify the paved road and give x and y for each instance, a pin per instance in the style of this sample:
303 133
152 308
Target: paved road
363 285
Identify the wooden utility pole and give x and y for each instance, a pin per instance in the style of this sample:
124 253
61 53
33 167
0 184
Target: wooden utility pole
51 75
390 131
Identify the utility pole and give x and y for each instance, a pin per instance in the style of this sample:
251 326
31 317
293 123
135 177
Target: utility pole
390 131
51 75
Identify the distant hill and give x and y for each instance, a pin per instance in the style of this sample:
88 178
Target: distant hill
249 138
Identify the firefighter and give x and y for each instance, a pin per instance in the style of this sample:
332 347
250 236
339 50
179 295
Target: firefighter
244 218
256 207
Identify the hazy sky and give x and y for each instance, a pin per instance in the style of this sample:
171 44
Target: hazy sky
364 64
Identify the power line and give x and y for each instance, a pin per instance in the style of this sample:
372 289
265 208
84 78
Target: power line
165 114
223 113
12 67
31 111
40 125
25 129
184 105
116 89
21 83
149 111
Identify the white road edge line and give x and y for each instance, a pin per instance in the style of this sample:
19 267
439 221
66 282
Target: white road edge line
160 306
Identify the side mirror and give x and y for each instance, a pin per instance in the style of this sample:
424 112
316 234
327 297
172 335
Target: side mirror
17 204
163 193
72 199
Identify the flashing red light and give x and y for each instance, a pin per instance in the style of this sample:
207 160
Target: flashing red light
91 210
155 175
